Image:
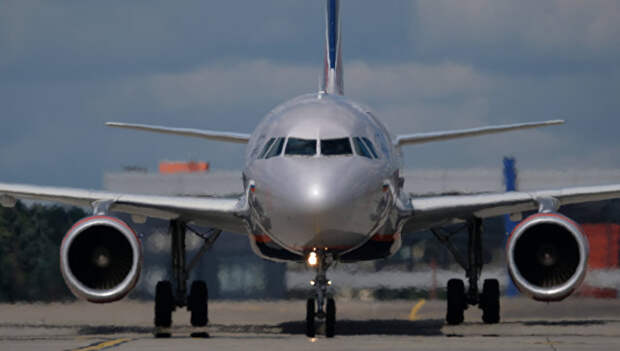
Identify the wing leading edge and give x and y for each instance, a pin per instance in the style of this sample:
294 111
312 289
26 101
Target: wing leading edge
426 212
240 138
419 138
223 213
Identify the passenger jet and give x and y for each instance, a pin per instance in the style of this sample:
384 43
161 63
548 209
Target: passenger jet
321 184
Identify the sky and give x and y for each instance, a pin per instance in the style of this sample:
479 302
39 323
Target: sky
67 67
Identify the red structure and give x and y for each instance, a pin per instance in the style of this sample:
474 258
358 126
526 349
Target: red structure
604 239
168 167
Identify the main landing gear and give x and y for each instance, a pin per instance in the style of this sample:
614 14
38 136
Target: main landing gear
321 304
459 299
168 299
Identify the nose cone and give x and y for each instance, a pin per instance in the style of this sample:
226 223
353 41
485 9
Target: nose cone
323 202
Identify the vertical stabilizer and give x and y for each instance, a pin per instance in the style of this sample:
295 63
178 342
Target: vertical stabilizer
332 82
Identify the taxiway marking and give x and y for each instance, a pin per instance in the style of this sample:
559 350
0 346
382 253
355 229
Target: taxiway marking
415 309
103 345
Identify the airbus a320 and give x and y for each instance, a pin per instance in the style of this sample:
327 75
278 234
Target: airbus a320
322 185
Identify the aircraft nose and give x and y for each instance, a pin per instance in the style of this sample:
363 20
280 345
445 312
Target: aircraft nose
318 191
325 203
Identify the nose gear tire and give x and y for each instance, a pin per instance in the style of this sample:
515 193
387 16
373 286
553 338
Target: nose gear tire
330 318
310 314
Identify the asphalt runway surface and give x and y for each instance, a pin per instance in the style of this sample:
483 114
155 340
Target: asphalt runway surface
575 324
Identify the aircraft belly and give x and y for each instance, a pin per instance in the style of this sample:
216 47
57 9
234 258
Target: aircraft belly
331 239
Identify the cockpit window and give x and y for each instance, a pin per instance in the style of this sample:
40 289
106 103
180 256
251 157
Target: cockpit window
340 146
266 148
300 147
360 148
276 149
371 147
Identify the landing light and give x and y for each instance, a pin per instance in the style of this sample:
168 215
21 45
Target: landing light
315 191
313 259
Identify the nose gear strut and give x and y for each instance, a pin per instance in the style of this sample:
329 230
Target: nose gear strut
321 304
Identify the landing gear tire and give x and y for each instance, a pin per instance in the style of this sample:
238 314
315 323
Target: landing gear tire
198 304
164 304
489 301
310 314
330 318
456 302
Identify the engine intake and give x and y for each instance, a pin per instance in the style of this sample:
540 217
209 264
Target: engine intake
100 259
547 256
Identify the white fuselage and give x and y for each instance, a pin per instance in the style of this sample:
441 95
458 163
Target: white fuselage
328 199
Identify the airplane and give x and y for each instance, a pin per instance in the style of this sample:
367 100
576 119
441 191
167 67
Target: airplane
321 185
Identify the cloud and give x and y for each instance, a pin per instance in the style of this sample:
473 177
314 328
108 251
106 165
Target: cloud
555 30
247 82
66 67
64 40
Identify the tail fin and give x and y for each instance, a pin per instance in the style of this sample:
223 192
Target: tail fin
332 80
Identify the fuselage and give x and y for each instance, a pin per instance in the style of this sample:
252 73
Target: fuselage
323 171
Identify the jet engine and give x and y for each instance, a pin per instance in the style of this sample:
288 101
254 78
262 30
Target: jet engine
100 259
547 256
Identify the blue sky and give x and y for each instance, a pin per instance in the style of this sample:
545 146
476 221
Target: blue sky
66 67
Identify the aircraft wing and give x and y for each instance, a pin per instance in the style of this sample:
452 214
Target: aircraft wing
221 213
427 212
240 138
420 138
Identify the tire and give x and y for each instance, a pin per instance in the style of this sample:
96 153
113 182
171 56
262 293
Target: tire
310 314
164 304
330 318
198 303
456 302
489 301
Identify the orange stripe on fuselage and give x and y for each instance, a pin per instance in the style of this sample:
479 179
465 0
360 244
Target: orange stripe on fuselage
262 238
384 237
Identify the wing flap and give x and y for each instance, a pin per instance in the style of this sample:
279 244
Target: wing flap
419 138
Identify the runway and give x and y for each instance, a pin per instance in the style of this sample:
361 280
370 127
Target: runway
575 324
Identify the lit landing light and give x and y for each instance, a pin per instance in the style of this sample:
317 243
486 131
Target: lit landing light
315 192
313 259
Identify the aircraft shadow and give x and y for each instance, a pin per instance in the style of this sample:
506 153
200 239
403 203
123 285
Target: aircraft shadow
374 327
428 327
425 327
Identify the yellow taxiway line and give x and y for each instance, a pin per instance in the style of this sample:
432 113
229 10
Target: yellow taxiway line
103 345
415 309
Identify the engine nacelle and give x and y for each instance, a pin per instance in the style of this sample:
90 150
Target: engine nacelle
100 259
547 256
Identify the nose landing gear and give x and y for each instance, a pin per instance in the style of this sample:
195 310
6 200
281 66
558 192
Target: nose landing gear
321 304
